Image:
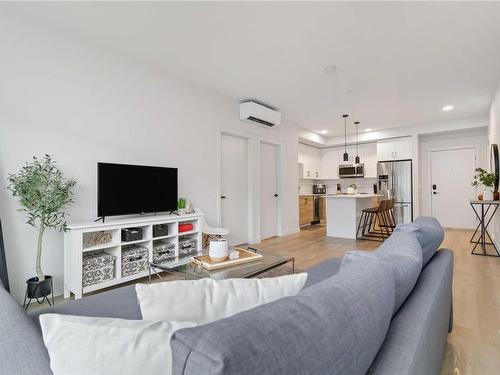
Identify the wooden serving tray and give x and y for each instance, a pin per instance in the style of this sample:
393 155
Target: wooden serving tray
245 257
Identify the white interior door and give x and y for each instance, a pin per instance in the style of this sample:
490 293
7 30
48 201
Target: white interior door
269 194
234 188
451 190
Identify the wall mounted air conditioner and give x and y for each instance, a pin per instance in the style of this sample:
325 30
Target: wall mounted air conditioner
259 114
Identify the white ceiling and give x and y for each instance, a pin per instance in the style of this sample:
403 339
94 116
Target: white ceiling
397 63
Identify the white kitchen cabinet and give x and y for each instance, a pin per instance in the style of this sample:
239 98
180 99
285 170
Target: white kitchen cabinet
330 160
315 163
394 149
310 158
332 157
368 155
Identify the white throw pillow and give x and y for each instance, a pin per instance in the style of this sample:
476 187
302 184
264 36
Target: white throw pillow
85 345
208 300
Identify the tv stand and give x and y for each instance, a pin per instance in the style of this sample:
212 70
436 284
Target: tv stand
75 246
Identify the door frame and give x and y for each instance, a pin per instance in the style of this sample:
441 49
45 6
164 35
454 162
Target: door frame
250 179
279 187
476 147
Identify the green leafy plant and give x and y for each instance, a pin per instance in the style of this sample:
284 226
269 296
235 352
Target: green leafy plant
43 193
481 177
354 186
181 203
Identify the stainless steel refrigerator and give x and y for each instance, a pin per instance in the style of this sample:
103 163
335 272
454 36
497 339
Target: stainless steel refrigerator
395 181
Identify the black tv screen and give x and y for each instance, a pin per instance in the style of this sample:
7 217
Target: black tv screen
132 189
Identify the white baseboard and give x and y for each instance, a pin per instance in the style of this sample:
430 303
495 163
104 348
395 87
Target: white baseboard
290 231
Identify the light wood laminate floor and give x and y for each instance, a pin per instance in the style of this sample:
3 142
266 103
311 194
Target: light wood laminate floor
474 345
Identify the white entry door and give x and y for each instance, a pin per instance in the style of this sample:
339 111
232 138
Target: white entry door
234 187
269 194
451 190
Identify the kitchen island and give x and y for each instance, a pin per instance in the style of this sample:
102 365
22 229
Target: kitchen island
343 212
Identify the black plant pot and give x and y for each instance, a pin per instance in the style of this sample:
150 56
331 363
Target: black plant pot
38 289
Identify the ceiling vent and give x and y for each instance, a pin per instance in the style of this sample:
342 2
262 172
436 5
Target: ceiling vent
259 114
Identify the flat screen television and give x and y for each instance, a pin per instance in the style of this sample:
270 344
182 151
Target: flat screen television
124 189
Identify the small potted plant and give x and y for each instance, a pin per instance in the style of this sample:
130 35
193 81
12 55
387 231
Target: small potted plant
352 189
485 179
181 206
43 194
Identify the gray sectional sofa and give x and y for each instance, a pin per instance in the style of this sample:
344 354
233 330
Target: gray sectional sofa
382 312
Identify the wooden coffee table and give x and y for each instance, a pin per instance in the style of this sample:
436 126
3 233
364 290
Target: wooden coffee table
193 271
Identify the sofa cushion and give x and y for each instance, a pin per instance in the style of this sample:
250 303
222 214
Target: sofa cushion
403 252
429 233
21 345
207 300
116 303
80 345
322 271
334 327
416 341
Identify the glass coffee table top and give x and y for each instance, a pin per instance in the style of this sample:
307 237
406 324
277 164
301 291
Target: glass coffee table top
192 270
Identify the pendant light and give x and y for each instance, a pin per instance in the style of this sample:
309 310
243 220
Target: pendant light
357 155
346 155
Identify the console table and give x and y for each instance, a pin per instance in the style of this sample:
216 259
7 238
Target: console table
485 211
75 247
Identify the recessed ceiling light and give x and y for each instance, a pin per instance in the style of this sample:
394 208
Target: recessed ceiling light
323 131
330 69
368 130
447 108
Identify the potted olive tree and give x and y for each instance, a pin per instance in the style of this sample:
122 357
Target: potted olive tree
485 179
43 194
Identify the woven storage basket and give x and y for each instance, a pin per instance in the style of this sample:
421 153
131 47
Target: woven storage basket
97 267
163 251
134 260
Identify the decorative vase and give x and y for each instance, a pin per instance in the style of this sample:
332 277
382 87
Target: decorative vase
181 211
351 190
189 207
218 250
487 195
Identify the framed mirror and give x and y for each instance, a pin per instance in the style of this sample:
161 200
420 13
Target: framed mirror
494 166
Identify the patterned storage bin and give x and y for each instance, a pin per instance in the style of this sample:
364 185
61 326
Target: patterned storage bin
163 251
97 267
188 247
134 260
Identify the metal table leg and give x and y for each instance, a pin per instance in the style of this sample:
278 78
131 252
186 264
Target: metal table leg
484 235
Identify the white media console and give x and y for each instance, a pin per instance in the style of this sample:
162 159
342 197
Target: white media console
75 247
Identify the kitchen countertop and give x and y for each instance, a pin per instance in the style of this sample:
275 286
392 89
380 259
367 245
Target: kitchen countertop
354 195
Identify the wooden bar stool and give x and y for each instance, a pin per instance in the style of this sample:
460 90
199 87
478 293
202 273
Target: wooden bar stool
368 220
389 223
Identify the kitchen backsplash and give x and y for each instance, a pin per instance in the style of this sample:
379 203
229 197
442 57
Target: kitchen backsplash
365 185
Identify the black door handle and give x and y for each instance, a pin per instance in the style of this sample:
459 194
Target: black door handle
223 197
276 195
434 192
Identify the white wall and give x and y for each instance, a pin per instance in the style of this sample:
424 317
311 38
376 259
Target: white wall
477 138
494 137
83 105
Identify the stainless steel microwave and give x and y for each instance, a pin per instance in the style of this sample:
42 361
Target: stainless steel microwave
351 170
